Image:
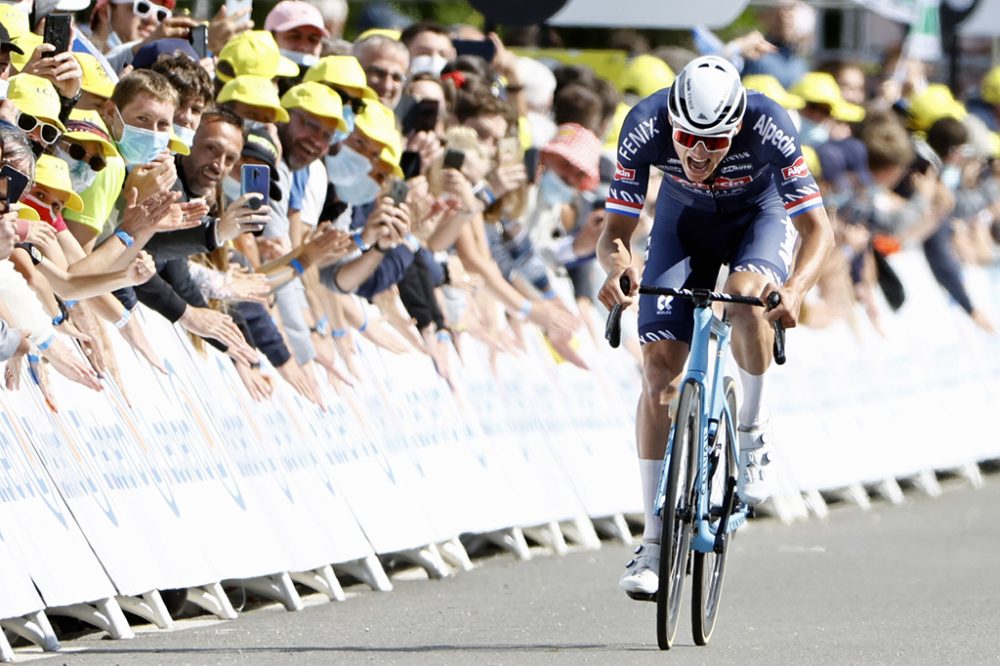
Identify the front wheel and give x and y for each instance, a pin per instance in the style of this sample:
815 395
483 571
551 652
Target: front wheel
710 568
675 541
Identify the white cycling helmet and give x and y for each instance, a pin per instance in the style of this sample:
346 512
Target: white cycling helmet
708 97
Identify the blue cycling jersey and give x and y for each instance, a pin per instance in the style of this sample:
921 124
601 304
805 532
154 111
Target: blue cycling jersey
764 157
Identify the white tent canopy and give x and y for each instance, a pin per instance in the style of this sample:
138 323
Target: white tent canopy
646 14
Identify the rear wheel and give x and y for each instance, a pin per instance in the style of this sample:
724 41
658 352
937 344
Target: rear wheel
710 568
675 541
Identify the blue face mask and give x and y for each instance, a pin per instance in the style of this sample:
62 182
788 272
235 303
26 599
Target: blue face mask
951 177
80 173
340 135
184 134
553 190
357 193
346 167
813 134
138 145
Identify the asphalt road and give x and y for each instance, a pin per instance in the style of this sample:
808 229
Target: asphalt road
915 584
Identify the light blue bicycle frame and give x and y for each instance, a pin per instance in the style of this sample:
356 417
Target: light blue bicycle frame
706 326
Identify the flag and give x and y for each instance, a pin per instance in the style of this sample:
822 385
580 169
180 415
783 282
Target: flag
923 41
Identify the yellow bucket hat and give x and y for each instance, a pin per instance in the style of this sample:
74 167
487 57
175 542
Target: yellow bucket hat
770 86
930 105
990 87
318 100
385 32
378 123
822 88
343 72
36 97
253 53
645 74
53 173
96 79
255 91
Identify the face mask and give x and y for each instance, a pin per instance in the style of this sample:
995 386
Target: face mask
184 135
252 124
346 167
138 145
3 89
43 209
951 176
813 134
231 188
553 190
357 193
300 59
80 173
340 135
429 64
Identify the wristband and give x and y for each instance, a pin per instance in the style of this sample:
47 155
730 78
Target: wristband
125 238
297 266
549 295
338 332
58 319
126 316
70 304
364 324
322 326
359 241
45 344
525 310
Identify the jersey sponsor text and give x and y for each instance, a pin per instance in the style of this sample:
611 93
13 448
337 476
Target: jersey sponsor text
770 133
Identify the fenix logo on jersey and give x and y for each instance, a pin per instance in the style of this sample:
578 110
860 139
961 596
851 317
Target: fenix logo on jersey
799 169
771 133
621 173
637 137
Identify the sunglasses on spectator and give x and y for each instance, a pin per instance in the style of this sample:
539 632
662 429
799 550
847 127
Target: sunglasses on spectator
712 143
78 152
49 133
146 8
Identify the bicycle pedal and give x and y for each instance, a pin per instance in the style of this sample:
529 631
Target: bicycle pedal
641 596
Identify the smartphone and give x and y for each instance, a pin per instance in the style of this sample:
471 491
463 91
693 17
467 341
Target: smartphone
483 48
16 183
256 179
531 164
454 159
410 163
419 115
508 150
235 6
398 190
199 40
57 32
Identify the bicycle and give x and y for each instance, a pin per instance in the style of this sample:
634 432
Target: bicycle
697 499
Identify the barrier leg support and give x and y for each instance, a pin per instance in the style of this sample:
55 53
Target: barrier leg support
34 627
972 474
581 532
927 482
278 587
816 504
323 581
454 554
890 491
511 540
6 652
616 528
549 535
213 599
427 558
369 571
149 607
105 614
857 494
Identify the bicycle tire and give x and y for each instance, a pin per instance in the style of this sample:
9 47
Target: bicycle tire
675 540
709 569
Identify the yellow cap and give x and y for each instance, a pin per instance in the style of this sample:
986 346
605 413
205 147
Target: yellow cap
645 74
771 87
254 53
822 88
390 155
36 97
343 72
385 32
990 87
81 136
932 104
176 145
53 173
95 80
995 144
812 161
255 91
25 212
378 123
318 100
27 42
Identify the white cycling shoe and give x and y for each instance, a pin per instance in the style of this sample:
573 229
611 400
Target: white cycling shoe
641 578
755 479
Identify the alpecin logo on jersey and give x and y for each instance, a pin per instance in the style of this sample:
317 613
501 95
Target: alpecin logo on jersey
799 169
771 133
621 173
723 183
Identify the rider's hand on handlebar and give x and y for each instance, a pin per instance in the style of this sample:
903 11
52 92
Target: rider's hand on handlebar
611 292
787 311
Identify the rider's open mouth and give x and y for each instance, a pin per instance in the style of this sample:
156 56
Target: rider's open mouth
696 164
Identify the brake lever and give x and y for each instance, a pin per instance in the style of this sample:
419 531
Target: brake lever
773 301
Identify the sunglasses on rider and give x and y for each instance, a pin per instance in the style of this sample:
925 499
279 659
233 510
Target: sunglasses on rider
78 152
146 8
712 143
48 134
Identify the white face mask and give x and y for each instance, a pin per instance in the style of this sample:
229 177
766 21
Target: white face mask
184 135
347 166
363 190
231 188
554 190
429 64
3 89
300 59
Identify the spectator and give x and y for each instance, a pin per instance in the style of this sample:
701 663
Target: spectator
298 28
430 47
782 29
386 63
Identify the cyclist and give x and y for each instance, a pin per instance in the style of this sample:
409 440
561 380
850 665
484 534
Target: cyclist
736 190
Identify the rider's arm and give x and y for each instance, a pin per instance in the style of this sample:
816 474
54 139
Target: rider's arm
817 242
614 256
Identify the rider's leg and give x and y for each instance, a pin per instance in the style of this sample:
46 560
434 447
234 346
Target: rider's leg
663 362
751 345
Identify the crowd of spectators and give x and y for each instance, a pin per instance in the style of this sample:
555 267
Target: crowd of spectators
416 194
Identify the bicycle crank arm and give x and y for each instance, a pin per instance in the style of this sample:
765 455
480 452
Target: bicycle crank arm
728 504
